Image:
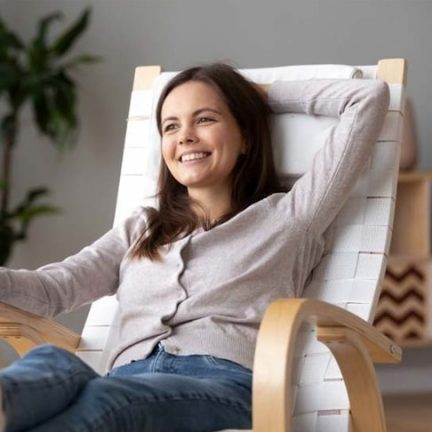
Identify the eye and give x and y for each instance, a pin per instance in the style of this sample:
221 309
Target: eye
169 127
205 120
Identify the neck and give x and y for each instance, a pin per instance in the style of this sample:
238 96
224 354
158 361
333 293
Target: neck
214 202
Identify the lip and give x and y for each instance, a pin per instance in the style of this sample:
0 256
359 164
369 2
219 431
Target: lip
195 161
191 152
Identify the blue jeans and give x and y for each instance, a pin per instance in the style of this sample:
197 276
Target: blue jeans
52 390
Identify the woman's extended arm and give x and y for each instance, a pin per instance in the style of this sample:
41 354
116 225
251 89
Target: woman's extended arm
361 106
79 279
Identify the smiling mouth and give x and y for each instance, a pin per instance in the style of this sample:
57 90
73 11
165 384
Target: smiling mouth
194 156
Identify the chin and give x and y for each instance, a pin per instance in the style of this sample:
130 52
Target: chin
191 182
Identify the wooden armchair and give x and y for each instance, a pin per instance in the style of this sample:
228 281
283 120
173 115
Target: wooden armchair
313 366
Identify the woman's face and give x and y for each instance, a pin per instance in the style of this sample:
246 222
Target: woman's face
201 140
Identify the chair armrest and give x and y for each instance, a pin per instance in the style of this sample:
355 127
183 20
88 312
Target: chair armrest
353 342
24 330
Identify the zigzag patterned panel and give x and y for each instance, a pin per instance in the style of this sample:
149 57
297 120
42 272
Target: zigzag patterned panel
403 313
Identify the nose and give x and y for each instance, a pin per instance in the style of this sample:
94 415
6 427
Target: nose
187 136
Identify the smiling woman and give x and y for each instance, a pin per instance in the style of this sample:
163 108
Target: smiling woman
217 154
201 143
194 275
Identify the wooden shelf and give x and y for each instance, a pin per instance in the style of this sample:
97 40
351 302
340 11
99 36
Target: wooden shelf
404 311
411 229
409 176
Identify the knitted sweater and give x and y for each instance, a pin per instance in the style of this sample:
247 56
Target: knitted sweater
210 291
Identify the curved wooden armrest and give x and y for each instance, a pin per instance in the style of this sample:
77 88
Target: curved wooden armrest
353 342
24 330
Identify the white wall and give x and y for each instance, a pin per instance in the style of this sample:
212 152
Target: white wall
176 34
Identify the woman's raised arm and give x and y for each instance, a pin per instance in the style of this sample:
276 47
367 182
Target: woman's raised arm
361 106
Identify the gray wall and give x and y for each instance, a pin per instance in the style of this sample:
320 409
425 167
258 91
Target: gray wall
176 34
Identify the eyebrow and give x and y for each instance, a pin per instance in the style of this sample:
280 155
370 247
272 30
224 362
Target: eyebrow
195 113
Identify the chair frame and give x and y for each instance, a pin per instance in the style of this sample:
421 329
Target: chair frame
354 342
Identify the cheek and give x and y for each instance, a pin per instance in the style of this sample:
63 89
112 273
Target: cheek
168 150
233 146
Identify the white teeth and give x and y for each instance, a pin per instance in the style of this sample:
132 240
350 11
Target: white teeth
193 156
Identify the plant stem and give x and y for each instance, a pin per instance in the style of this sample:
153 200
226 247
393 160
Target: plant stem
7 157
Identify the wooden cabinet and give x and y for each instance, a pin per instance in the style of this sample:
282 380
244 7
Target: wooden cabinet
411 230
404 311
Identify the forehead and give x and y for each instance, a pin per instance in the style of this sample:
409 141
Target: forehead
191 96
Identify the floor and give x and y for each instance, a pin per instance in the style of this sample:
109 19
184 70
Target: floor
409 413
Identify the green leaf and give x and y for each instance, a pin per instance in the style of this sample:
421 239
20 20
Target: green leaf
60 130
8 39
39 53
8 76
2 26
44 24
41 111
84 58
37 192
54 110
32 195
65 99
27 214
68 38
15 41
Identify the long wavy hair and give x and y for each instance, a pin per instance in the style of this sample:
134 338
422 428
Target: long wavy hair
254 175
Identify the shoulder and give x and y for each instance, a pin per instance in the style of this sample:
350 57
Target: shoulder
134 224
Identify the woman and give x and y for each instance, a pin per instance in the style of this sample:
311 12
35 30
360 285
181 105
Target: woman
194 276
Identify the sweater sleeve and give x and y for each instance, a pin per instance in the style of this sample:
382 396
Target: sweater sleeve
79 279
361 106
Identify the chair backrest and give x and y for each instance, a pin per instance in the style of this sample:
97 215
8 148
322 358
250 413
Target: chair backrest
349 275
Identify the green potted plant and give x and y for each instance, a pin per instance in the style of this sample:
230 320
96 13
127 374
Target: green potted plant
37 73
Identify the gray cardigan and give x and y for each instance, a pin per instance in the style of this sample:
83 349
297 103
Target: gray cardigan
209 293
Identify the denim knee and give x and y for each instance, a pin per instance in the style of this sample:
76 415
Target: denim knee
48 349
42 384
58 357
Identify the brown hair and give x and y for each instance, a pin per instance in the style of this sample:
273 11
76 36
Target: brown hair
254 175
